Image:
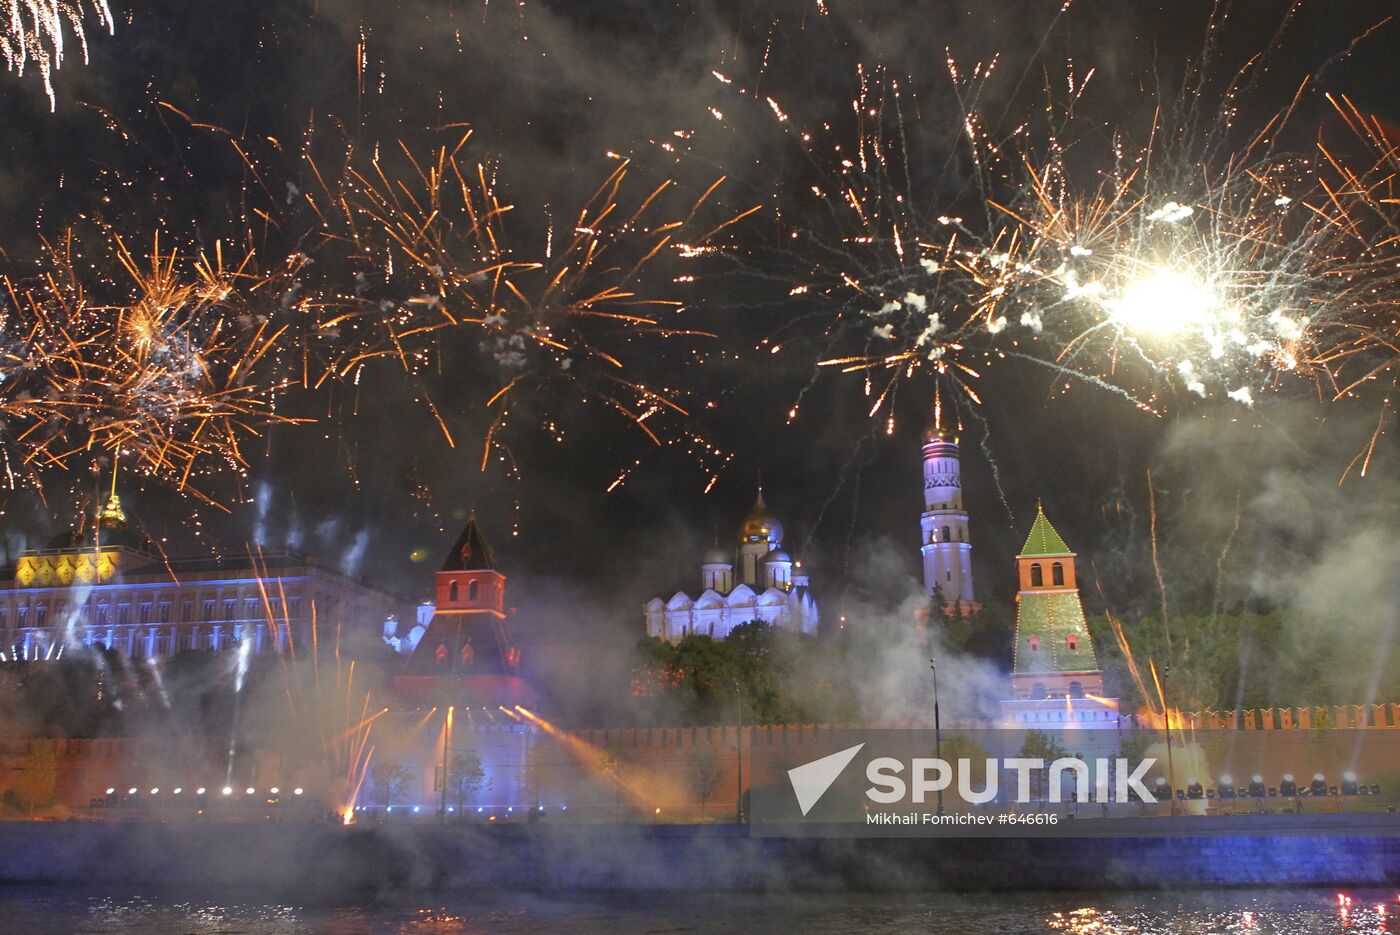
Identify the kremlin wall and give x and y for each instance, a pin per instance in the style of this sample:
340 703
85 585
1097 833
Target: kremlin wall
689 773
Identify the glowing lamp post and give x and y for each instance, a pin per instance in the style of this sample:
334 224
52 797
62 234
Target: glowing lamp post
739 746
937 726
1167 717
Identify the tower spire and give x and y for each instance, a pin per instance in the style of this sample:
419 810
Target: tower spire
113 512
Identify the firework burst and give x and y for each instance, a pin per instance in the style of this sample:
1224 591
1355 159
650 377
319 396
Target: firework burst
32 34
434 268
861 239
1224 279
156 358
1206 259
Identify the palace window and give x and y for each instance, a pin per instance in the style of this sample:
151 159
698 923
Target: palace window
452 593
1076 689
187 611
947 534
228 608
164 611
471 591
41 614
250 608
1057 574
293 607
1033 644
145 612
1072 642
1038 692
123 614
1037 576
102 615
209 610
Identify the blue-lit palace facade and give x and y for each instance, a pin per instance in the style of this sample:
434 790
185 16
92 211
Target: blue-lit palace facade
107 586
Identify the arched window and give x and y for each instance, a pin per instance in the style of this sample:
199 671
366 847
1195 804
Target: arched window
1034 644
452 592
1037 576
471 591
1072 642
1038 692
947 534
1057 574
1076 689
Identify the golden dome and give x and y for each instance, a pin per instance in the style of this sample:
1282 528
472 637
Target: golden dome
760 524
937 433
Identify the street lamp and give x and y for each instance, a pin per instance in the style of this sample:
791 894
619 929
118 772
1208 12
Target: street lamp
937 726
1167 717
739 746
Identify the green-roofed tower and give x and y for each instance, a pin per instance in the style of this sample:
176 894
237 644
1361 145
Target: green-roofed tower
1055 668
1043 539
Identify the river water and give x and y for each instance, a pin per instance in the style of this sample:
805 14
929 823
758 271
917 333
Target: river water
33 910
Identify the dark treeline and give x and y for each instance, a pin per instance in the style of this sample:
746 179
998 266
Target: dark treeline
1238 661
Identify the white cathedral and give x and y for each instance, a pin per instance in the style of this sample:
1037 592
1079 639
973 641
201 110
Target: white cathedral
771 587
764 585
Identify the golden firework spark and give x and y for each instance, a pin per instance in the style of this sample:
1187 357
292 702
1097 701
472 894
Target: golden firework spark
156 357
435 264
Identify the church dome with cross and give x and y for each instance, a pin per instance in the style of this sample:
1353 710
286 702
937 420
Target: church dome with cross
757 581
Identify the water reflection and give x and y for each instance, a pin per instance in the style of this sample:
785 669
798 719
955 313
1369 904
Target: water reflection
1226 912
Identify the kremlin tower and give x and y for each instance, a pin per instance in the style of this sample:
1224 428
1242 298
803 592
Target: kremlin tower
1055 677
946 548
466 653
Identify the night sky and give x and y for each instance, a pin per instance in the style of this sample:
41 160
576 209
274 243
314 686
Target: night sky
549 88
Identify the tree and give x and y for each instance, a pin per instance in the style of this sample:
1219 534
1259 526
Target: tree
537 771
1039 745
962 747
611 764
391 779
939 615
465 775
704 772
